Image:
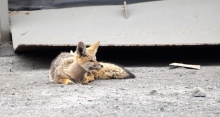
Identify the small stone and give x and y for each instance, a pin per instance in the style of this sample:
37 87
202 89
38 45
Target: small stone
153 92
198 92
116 106
161 109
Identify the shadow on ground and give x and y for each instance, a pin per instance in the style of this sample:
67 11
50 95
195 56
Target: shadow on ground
140 56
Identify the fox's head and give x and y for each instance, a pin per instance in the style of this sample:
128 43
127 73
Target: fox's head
86 57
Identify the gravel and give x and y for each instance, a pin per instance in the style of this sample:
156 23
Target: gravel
156 91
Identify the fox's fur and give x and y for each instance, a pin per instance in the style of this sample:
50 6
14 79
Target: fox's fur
82 66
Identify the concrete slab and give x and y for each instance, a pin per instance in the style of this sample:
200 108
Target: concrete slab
159 23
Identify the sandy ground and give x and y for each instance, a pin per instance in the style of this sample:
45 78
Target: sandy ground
157 90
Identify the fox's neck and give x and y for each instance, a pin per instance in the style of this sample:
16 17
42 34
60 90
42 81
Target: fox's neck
76 72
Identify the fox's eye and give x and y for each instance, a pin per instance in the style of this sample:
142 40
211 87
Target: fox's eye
90 60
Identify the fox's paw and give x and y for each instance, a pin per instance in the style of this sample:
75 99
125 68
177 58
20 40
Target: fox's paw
66 81
85 81
89 76
70 83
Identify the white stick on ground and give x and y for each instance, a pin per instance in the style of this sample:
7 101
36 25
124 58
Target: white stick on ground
185 65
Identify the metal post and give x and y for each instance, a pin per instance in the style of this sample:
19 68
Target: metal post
4 21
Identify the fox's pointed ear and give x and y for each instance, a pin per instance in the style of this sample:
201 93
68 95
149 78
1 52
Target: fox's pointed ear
81 49
94 47
71 52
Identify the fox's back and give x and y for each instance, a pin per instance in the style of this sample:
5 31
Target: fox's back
60 61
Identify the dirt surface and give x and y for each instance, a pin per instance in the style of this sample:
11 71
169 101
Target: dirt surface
157 90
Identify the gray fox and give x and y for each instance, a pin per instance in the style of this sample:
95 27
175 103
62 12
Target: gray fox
81 66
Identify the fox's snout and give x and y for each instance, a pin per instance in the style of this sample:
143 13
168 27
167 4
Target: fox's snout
100 66
96 66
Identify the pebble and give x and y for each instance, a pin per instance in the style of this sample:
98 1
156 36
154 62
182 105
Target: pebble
161 109
198 92
153 92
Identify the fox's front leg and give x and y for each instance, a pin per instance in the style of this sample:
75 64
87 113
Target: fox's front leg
66 81
88 77
62 80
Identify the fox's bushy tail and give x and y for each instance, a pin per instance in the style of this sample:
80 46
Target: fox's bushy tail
112 71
